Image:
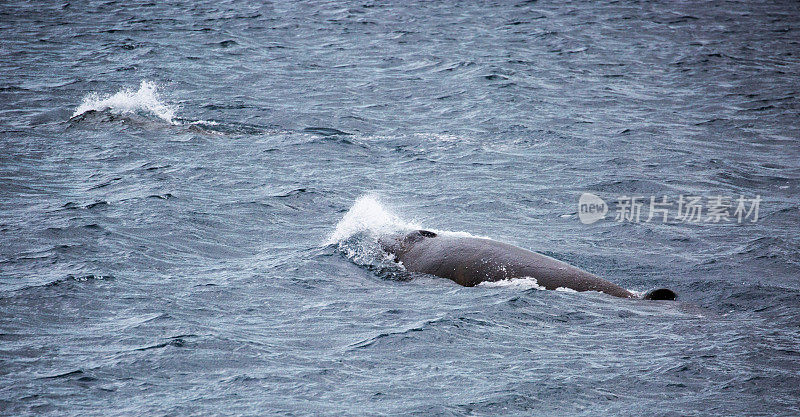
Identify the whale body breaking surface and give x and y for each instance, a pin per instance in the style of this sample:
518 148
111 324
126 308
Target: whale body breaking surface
470 261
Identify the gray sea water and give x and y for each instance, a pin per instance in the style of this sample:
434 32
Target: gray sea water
190 193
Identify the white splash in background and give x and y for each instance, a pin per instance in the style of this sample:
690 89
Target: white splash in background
143 100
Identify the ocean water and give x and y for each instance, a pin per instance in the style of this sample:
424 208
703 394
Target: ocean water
190 193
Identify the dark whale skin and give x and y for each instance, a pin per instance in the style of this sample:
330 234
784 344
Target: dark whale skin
469 261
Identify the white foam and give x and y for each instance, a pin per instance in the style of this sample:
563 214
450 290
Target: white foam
457 234
441 137
145 100
205 122
565 289
524 283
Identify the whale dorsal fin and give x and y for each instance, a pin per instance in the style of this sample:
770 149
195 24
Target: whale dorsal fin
660 294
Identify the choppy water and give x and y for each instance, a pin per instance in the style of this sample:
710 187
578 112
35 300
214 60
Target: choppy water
190 193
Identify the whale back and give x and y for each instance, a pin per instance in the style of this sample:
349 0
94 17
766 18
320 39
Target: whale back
470 261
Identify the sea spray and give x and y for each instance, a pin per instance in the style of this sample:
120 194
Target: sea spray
368 216
144 100
357 233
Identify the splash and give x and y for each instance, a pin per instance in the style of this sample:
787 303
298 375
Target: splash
145 100
367 216
358 233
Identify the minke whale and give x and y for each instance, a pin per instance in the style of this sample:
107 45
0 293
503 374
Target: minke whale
470 261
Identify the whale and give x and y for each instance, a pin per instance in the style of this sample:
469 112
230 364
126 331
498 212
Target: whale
470 261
